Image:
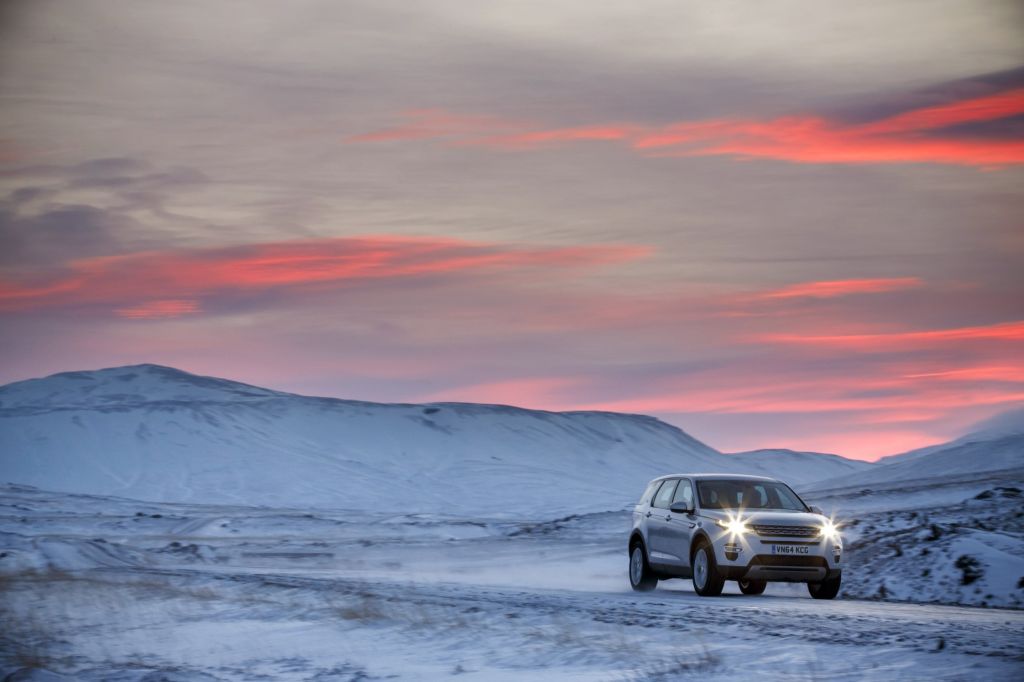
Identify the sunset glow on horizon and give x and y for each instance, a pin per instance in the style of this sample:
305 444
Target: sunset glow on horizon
768 240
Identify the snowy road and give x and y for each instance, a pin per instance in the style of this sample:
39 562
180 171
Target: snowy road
200 624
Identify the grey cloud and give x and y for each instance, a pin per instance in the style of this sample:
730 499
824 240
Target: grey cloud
156 180
105 172
889 103
26 194
106 167
57 235
40 226
92 168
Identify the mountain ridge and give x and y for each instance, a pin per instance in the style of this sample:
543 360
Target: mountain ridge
155 433
162 434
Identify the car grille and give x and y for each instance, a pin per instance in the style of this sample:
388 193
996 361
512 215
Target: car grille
773 561
787 531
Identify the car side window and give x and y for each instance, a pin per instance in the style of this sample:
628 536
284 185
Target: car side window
684 493
664 497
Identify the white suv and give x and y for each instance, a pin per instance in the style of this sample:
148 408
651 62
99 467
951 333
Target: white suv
718 527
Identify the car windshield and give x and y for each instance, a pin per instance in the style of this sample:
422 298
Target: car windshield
747 494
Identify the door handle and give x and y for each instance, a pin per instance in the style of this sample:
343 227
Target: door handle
648 514
668 517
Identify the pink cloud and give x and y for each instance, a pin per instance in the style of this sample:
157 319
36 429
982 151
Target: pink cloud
813 397
541 138
867 445
863 411
159 309
910 137
437 123
1001 105
843 287
1001 373
1006 331
165 283
536 392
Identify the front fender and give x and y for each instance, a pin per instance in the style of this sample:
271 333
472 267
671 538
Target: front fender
698 535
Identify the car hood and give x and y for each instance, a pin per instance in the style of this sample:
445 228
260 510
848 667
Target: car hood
768 517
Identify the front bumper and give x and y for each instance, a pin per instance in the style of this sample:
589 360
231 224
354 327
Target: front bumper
753 557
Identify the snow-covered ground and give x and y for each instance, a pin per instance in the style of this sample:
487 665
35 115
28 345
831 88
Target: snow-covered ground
276 536
954 540
98 588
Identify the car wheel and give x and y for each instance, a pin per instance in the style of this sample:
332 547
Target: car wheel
753 586
826 589
707 581
641 577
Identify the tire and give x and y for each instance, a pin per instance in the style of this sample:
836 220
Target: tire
641 577
707 581
826 589
752 586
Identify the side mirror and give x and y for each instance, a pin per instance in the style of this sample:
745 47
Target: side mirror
816 510
680 508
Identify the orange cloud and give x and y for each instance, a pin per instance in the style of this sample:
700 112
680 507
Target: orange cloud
161 283
842 287
910 137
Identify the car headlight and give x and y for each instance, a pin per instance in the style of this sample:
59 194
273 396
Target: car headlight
734 526
829 530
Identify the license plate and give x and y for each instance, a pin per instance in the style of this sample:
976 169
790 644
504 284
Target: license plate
791 549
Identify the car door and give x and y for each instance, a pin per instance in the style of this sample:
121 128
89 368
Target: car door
678 528
658 518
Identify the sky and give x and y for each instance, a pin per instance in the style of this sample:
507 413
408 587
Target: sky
780 224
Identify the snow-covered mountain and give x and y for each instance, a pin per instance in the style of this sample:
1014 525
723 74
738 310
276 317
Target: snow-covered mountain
160 434
798 467
157 433
1002 428
994 445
